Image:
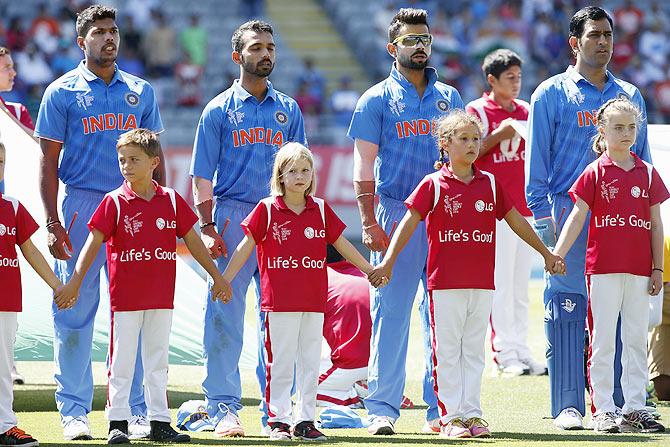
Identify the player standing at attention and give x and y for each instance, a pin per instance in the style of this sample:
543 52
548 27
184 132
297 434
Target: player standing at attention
460 205
238 135
292 230
502 154
80 119
141 221
624 196
393 150
562 121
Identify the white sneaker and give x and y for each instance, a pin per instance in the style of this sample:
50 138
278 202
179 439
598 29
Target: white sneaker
535 368
17 378
76 428
432 426
513 368
381 425
138 427
569 419
229 425
266 430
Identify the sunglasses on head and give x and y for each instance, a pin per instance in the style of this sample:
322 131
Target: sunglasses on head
412 40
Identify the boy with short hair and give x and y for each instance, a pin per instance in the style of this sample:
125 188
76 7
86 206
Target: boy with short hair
502 153
140 222
16 228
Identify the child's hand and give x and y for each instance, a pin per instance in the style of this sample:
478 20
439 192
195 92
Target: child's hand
221 290
655 282
66 296
380 275
554 264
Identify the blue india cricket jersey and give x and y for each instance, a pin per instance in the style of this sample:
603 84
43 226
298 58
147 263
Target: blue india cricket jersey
237 139
88 116
392 116
561 127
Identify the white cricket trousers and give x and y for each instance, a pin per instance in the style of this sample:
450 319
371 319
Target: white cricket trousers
611 295
336 385
292 338
154 325
458 321
509 312
8 326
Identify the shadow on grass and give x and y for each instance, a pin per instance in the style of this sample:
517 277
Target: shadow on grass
42 399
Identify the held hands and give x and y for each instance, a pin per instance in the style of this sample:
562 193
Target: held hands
65 296
655 282
375 238
58 241
214 241
380 275
221 290
554 264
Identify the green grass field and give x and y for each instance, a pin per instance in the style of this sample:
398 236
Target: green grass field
516 408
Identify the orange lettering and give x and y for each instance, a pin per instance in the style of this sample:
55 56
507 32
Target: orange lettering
409 127
131 122
398 128
247 136
110 121
278 139
236 139
84 121
97 124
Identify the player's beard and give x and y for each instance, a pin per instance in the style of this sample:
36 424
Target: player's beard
262 71
407 62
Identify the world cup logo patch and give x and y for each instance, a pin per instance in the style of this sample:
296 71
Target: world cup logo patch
281 118
442 105
132 99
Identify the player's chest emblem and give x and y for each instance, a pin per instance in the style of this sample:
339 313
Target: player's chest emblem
396 106
608 191
575 96
4 230
451 205
638 192
235 117
280 233
132 224
84 101
442 105
568 305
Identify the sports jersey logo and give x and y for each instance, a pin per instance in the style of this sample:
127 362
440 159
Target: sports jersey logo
7 230
587 118
609 192
311 233
234 117
396 106
442 105
623 95
451 205
108 121
568 305
132 99
84 101
255 135
576 96
412 128
131 224
279 233
281 118
635 191
482 206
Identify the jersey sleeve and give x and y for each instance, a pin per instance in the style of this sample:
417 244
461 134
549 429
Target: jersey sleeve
207 146
297 130
151 117
25 118
366 122
334 225
585 187
186 218
104 218
256 223
503 202
25 225
456 100
52 116
422 198
658 192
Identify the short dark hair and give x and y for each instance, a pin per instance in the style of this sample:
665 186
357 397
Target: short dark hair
143 138
257 26
496 62
89 15
578 20
407 16
4 51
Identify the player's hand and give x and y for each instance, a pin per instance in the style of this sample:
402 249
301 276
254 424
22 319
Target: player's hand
221 290
545 228
380 275
214 242
375 238
58 241
66 296
554 264
505 129
655 282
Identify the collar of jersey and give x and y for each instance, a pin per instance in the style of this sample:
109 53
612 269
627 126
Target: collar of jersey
130 194
604 160
495 105
576 76
430 72
446 173
310 203
244 95
90 76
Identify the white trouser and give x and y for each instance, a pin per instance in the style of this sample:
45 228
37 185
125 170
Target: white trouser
154 325
458 323
610 295
8 326
292 338
509 313
336 385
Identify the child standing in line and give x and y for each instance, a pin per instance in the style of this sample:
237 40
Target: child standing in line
460 204
140 221
624 263
16 228
292 229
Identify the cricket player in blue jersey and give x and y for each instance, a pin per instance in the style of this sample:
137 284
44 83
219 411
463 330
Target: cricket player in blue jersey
80 119
562 123
238 135
394 149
